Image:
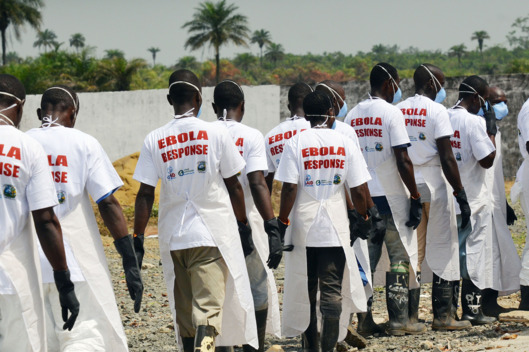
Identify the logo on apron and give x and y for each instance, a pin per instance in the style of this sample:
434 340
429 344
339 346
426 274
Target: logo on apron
185 172
308 181
323 183
9 191
61 196
337 179
170 173
422 137
458 156
379 147
201 167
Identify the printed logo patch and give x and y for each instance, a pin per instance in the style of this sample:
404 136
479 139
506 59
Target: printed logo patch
379 147
170 173
323 183
185 172
201 167
9 191
422 137
308 181
61 196
458 156
337 179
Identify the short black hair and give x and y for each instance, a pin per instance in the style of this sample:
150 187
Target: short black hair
316 103
228 95
422 76
297 93
479 84
378 75
57 98
183 93
11 85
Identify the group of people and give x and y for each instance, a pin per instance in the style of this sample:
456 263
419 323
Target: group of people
424 180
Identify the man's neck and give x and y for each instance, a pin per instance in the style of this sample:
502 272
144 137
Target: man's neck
297 112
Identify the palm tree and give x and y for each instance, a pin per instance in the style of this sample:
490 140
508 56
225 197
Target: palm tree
244 61
187 62
116 73
114 53
46 39
13 58
16 13
480 36
274 52
77 41
216 24
459 51
261 37
153 51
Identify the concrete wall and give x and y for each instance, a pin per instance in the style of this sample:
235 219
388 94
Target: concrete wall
121 120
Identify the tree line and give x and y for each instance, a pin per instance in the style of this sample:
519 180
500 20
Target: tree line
216 24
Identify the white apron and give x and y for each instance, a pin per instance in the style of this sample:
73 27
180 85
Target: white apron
260 239
238 314
20 261
296 305
479 242
399 202
442 245
520 191
80 230
506 264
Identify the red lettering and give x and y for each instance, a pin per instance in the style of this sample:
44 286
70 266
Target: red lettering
456 134
239 142
14 152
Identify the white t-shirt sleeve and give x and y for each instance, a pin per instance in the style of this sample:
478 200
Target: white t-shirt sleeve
398 134
102 177
40 190
288 170
480 142
523 124
145 171
231 161
443 127
256 159
357 172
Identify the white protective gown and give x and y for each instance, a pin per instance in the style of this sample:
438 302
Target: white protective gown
307 210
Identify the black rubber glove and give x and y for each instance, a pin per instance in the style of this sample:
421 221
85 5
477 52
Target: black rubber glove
353 225
125 247
415 213
490 119
274 243
138 248
511 215
67 298
358 226
246 238
379 227
461 198
282 230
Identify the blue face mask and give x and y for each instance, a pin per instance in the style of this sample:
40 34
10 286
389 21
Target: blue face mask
481 112
501 110
343 110
333 125
397 96
441 96
199 111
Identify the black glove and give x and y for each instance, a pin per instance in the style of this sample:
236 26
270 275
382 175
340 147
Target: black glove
274 243
246 238
490 120
67 298
138 248
461 198
358 226
379 227
511 215
125 247
282 230
415 213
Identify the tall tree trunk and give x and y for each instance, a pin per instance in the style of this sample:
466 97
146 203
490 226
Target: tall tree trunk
3 47
261 57
217 61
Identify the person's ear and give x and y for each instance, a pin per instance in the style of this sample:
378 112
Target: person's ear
288 106
39 114
198 99
169 99
214 108
242 107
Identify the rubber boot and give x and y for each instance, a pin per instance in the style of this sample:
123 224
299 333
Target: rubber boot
205 338
260 319
330 330
366 325
189 344
524 302
455 298
224 349
471 303
443 306
414 297
397 303
310 340
490 304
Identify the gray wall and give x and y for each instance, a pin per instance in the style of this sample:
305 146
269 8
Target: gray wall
515 86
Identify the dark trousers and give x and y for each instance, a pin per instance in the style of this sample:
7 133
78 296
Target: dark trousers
325 268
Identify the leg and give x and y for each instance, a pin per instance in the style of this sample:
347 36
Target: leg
183 298
13 334
442 306
415 294
471 302
490 304
310 338
524 273
330 273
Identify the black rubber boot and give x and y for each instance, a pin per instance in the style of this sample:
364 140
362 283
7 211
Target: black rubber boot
471 303
205 338
455 298
189 344
310 340
260 318
490 304
397 302
414 297
524 302
366 325
330 330
224 349
443 306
